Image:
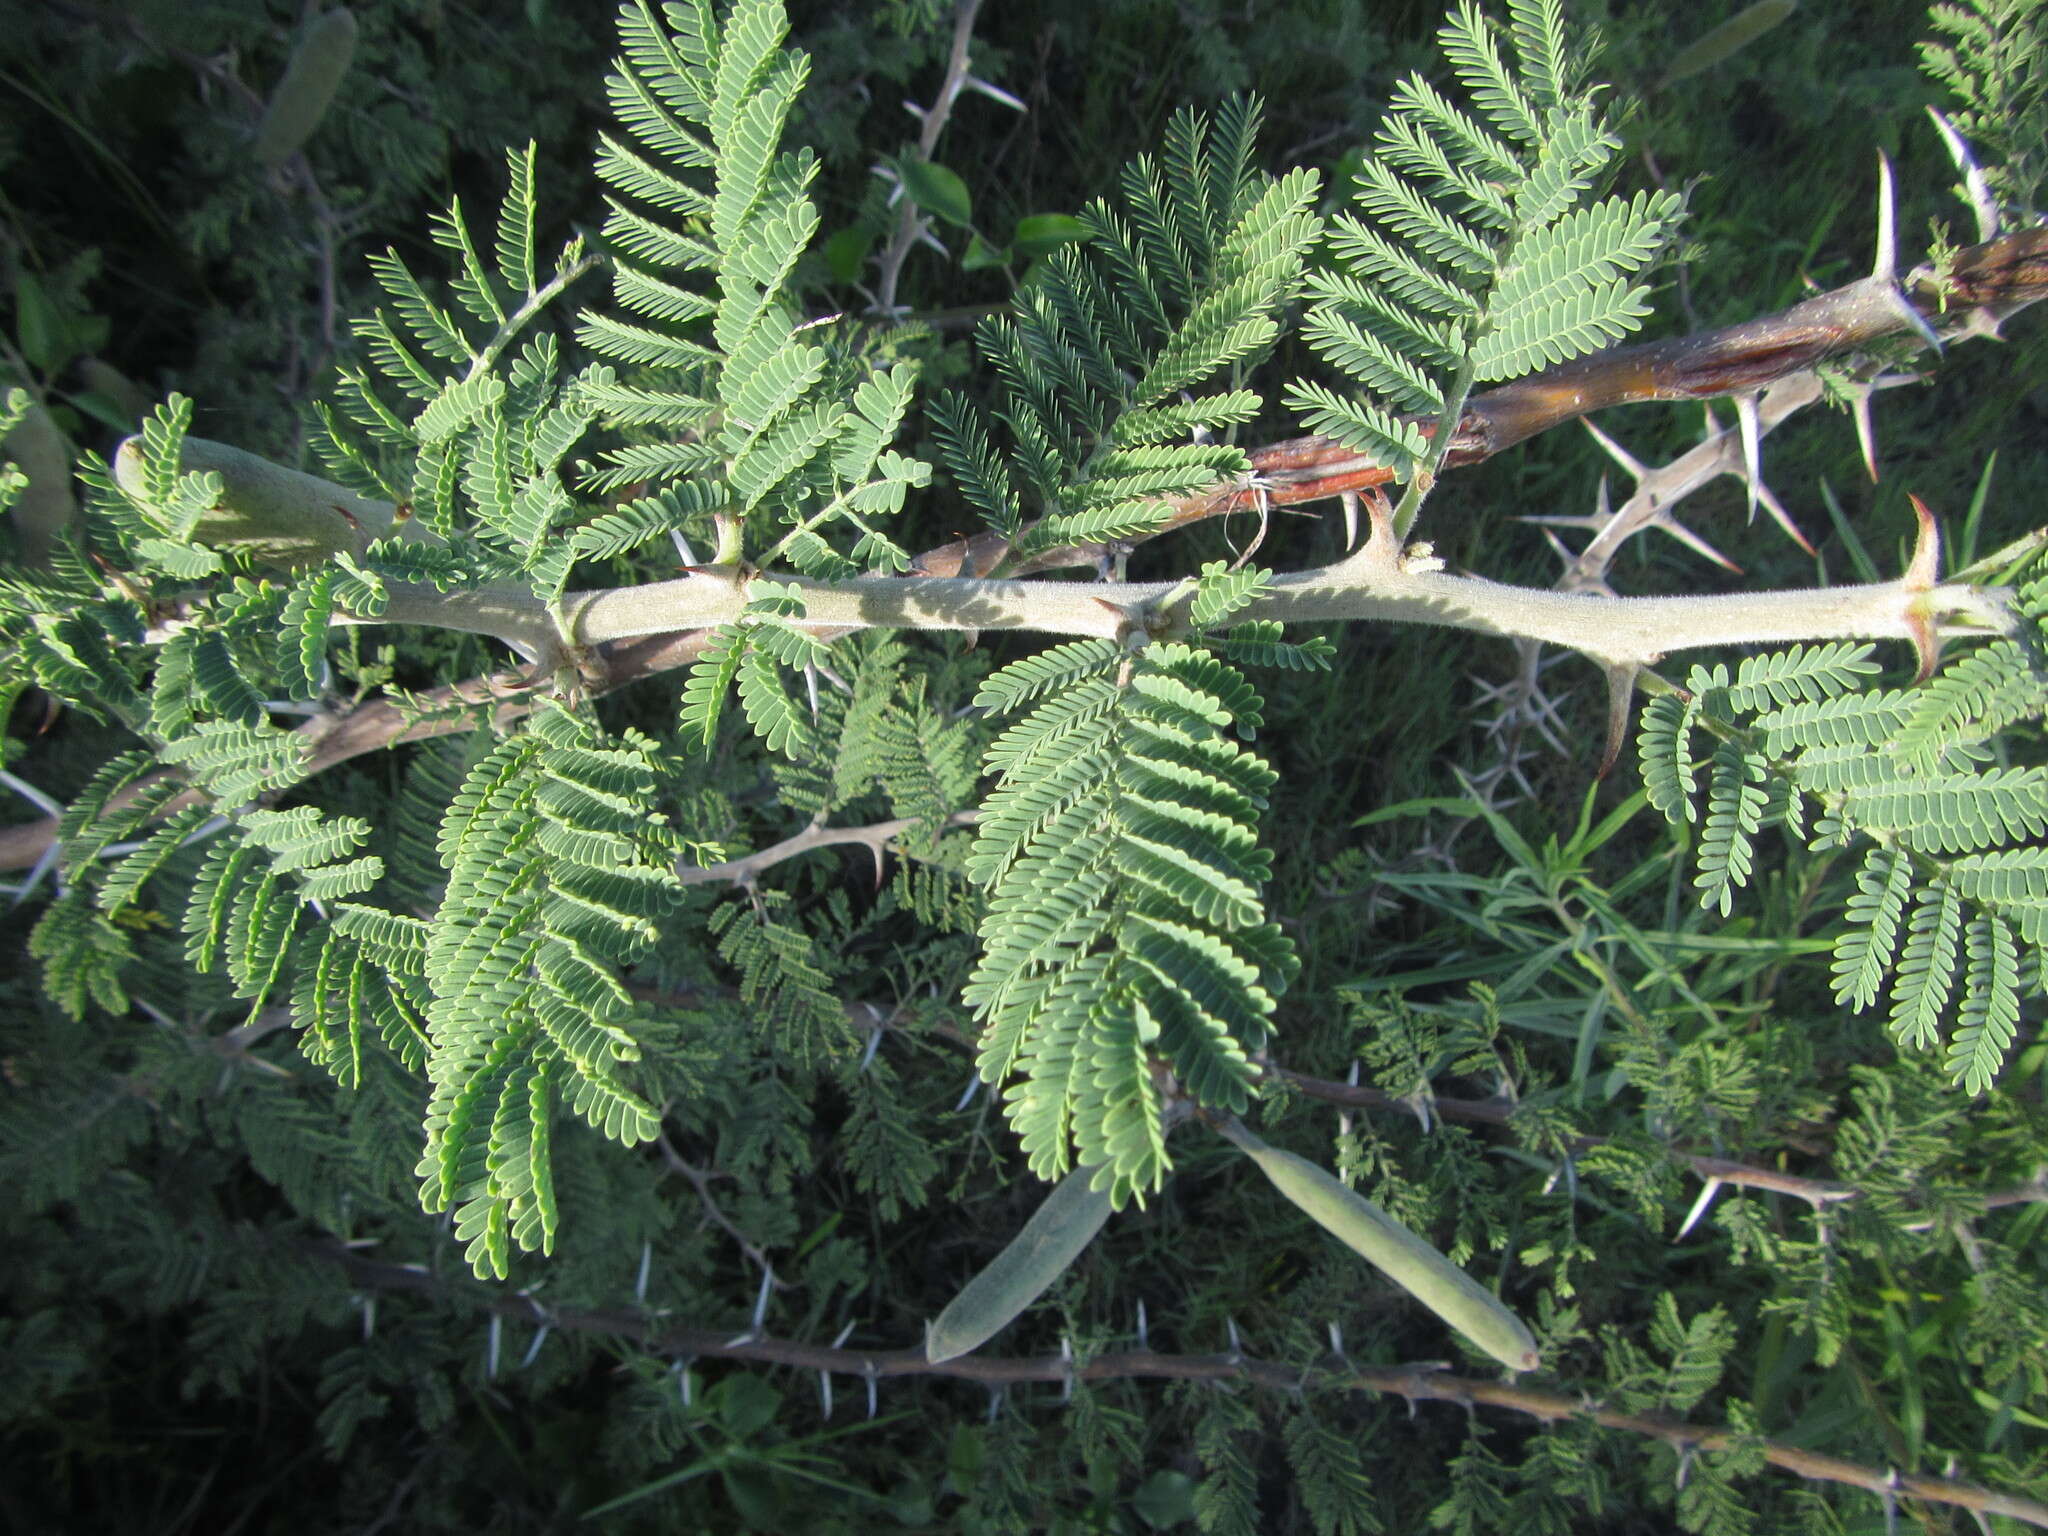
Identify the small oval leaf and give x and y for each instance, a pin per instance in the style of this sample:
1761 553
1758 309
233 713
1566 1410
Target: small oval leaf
937 190
981 255
1038 234
1051 1240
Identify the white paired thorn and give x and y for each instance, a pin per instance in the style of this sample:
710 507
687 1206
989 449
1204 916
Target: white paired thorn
993 92
1884 267
1750 422
1632 466
1666 523
1866 432
1350 503
1699 1207
1976 191
1781 517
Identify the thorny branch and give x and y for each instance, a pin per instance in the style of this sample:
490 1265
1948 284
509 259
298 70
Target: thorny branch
876 837
1415 1383
1981 285
701 1182
910 223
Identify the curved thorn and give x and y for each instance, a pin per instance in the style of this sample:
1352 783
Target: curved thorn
1919 577
1621 691
1925 566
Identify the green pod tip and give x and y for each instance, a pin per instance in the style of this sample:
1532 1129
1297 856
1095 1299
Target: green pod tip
1395 1251
307 90
1051 1240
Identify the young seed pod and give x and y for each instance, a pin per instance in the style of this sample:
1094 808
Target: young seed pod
1051 1240
307 90
1739 31
1396 1252
46 507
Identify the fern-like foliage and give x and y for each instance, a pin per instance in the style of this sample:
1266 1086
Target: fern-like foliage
556 876
1175 289
1473 253
466 433
1989 57
1126 936
1950 910
743 410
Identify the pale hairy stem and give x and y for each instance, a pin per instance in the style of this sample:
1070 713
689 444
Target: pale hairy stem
1414 1383
1374 586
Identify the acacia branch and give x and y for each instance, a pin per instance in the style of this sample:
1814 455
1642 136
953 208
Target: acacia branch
1983 284
1382 588
1415 1383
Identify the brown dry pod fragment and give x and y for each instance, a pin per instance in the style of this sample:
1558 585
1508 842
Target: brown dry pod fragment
307 90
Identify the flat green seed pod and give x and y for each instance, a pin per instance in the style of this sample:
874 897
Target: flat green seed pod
1395 1251
1739 31
1051 1240
282 517
307 90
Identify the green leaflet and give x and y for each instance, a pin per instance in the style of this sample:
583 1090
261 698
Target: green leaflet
556 870
773 434
1178 286
1125 924
1952 879
1473 253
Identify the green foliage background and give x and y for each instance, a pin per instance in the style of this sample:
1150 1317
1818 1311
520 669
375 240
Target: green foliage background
184 1352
